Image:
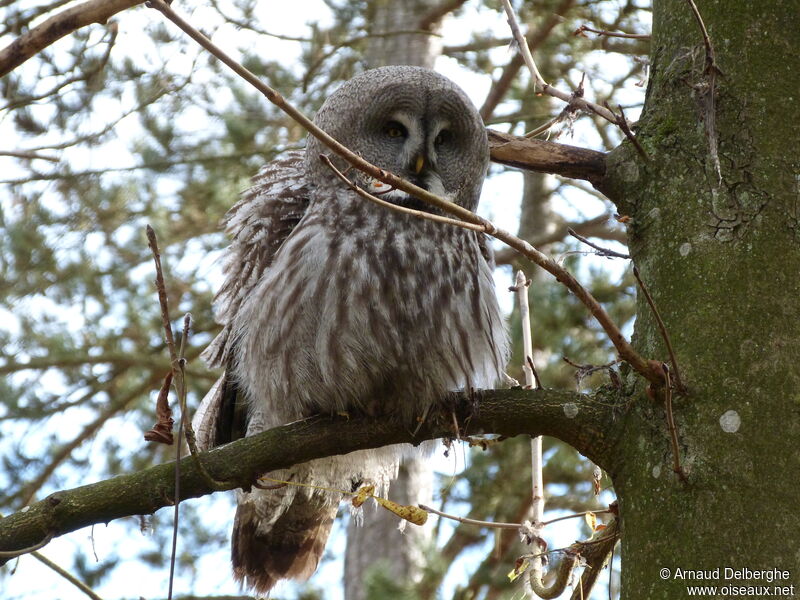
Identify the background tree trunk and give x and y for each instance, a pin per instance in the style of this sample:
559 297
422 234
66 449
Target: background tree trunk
376 546
721 258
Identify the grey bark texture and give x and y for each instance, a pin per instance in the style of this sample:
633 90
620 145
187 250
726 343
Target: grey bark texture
720 253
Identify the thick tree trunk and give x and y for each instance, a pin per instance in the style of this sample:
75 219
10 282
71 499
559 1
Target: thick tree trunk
722 259
406 44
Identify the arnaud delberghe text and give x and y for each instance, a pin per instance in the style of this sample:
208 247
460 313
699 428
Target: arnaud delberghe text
728 573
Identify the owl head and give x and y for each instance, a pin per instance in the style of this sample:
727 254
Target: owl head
411 121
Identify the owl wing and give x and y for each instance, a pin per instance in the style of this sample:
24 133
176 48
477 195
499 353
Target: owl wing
258 225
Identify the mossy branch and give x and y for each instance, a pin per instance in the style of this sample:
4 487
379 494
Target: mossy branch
585 422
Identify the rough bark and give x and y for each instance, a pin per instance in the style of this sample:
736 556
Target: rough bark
585 422
721 258
417 47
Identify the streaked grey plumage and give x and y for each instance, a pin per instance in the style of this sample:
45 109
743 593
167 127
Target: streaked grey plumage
333 304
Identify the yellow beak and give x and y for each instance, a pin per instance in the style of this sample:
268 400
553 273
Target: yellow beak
420 163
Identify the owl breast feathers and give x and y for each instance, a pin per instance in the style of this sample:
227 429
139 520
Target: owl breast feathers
334 304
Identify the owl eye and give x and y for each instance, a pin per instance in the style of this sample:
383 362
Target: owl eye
395 130
443 137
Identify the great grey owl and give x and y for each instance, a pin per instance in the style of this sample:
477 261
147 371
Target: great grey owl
333 304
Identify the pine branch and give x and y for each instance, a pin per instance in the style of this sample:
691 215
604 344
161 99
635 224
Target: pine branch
585 422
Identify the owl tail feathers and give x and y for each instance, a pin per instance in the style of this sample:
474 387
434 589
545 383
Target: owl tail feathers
290 548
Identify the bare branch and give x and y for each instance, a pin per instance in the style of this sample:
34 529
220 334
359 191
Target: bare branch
152 241
673 430
538 80
28 155
592 430
67 575
547 157
709 92
437 13
600 250
487 524
663 329
534 40
396 207
602 32
572 99
58 26
595 227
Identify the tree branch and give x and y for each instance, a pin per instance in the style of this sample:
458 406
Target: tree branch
585 422
437 13
534 39
547 157
58 26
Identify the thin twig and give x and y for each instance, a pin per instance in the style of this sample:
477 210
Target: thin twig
501 525
177 358
490 524
673 430
396 207
711 70
539 82
622 123
176 515
663 329
522 43
602 32
521 285
535 38
600 250
152 241
542 128
578 514
27 155
567 114
624 348
21 551
710 56
535 374
584 371
180 386
66 575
